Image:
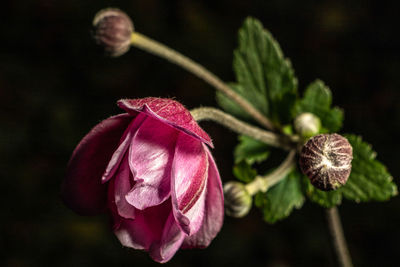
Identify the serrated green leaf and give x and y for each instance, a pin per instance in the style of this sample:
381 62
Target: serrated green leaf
369 179
244 172
317 99
264 77
280 200
322 198
250 150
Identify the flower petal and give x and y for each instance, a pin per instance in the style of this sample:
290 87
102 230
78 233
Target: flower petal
123 147
170 242
146 230
123 184
169 111
150 158
189 179
214 210
82 190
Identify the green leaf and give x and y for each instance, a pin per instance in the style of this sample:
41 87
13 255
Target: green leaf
280 200
317 100
322 198
264 77
230 106
250 150
244 172
369 179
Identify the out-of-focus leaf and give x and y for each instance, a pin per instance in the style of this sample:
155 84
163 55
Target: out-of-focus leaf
280 200
322 198
317 99
250 150
244 172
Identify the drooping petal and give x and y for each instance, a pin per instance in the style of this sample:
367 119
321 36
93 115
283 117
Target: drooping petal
189 179
146 230
125 141
170 242
214 210
123 184
82 190
169 111
150 158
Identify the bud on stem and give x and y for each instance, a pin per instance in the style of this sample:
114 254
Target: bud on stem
326 160
237 199
307 125
113 30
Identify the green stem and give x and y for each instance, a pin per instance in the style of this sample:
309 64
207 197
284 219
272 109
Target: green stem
263 183
338 239
140 41
269 138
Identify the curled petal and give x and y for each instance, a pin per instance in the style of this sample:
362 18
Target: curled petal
189 179
125 141
168 111
82 190
213 213
150 158
123 184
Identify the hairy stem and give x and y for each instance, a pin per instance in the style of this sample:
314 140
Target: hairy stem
270 138
263 183
140 41
338 239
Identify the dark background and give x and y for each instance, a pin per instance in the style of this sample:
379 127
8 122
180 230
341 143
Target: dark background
55 84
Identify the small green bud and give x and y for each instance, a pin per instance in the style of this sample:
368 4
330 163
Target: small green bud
113 30
237 201
307 124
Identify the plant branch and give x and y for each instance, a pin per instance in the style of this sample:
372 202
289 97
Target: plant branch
338 239
270 138
263 183
140 41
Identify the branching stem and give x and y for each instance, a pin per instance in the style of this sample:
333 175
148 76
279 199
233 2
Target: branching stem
263 183
140 41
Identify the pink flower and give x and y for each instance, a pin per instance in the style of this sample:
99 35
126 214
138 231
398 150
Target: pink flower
151 169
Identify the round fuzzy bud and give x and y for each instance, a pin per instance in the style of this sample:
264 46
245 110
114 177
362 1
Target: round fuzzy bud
237 200
326 160
113 30
307 124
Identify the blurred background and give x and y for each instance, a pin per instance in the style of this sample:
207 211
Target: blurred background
55 84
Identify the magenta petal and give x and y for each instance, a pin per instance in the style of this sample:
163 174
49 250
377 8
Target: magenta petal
189 179
146 230
150 158
169 111
82 190
123 184
214 210
170 242
123 147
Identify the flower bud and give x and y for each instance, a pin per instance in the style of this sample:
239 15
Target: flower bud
237 201
307 124
113 30
326 160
